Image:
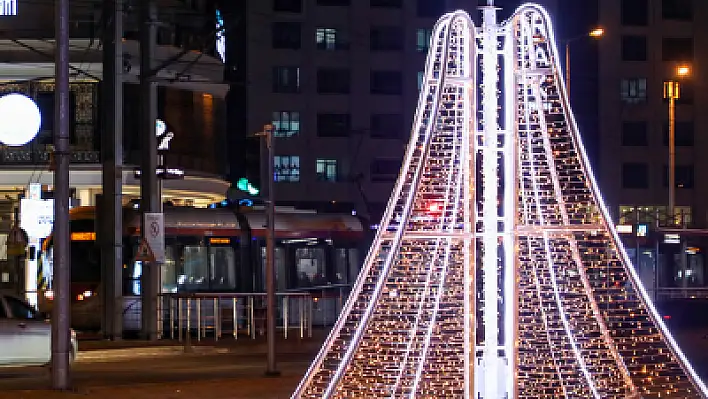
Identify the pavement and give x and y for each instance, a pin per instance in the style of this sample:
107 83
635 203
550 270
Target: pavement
228 368
136 369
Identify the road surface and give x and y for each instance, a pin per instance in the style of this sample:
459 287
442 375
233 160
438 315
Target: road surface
162 373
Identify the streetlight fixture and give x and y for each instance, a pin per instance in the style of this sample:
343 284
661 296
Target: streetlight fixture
595 34
672 92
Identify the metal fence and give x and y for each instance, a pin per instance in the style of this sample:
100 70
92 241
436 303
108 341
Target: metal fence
216 315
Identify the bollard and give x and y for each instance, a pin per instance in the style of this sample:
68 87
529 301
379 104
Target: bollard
188 342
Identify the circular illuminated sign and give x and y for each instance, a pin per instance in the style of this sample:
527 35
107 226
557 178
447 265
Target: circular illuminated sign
20 119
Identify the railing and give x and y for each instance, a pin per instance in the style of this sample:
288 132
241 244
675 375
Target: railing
681 293
218 314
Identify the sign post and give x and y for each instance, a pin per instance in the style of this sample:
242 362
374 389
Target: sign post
155 235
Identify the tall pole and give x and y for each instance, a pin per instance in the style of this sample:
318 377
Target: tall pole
490 193
112 154
270 255
672 93
672 157
149 193
61 317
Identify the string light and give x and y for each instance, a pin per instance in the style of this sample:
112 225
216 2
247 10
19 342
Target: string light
496 271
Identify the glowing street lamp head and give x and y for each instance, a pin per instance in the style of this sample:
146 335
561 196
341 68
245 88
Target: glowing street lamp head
20 119
597 33
683 71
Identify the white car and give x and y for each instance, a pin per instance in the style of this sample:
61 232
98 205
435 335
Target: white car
26 335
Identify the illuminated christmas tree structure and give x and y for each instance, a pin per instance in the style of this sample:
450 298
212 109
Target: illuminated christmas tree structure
496 271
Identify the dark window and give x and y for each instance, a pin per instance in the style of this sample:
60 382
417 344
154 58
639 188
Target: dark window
333 125
3 312
633 90
635 12
386 3
45 103
683 176
385 170
681 10
287 5
683 134
386 82
333 81
19 309
430 8
333 2
634 48
387 126
635 175
677 49
634 134
286 35
286 79
386 38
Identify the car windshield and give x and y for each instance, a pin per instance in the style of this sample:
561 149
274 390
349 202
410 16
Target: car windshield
19 309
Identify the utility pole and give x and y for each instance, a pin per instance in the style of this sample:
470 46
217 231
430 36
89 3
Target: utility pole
268 136
112 152
61 317
149 193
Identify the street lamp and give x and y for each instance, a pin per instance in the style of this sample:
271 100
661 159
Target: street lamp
595 34
672 92
268 135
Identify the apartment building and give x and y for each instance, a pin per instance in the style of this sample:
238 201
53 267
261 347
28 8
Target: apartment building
339 80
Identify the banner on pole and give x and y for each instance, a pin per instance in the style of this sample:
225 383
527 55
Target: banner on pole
155 235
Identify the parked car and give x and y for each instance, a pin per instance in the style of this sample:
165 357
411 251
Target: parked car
25 334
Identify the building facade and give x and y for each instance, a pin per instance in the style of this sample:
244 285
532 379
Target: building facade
339 80
644 44
190 101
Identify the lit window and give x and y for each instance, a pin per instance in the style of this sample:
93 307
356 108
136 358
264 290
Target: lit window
327 170
634 90
421 76
328 39
422 41
8 7
286 123
287 168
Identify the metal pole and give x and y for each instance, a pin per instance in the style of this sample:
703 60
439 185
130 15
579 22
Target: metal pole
672 149
270 255
61 318
567 68
150 197
112 154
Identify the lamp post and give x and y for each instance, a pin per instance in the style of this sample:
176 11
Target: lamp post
268 135
596 34
672 92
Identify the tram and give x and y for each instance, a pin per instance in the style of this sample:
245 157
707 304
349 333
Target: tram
222 250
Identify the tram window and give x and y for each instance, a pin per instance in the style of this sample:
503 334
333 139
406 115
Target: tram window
310 266
341 266
354 264
222 268
280 265
3 246
168 271
195 270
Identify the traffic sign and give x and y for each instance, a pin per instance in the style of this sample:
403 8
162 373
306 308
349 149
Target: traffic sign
155 235
144 253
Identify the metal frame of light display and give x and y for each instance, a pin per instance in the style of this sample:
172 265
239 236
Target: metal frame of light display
496 271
